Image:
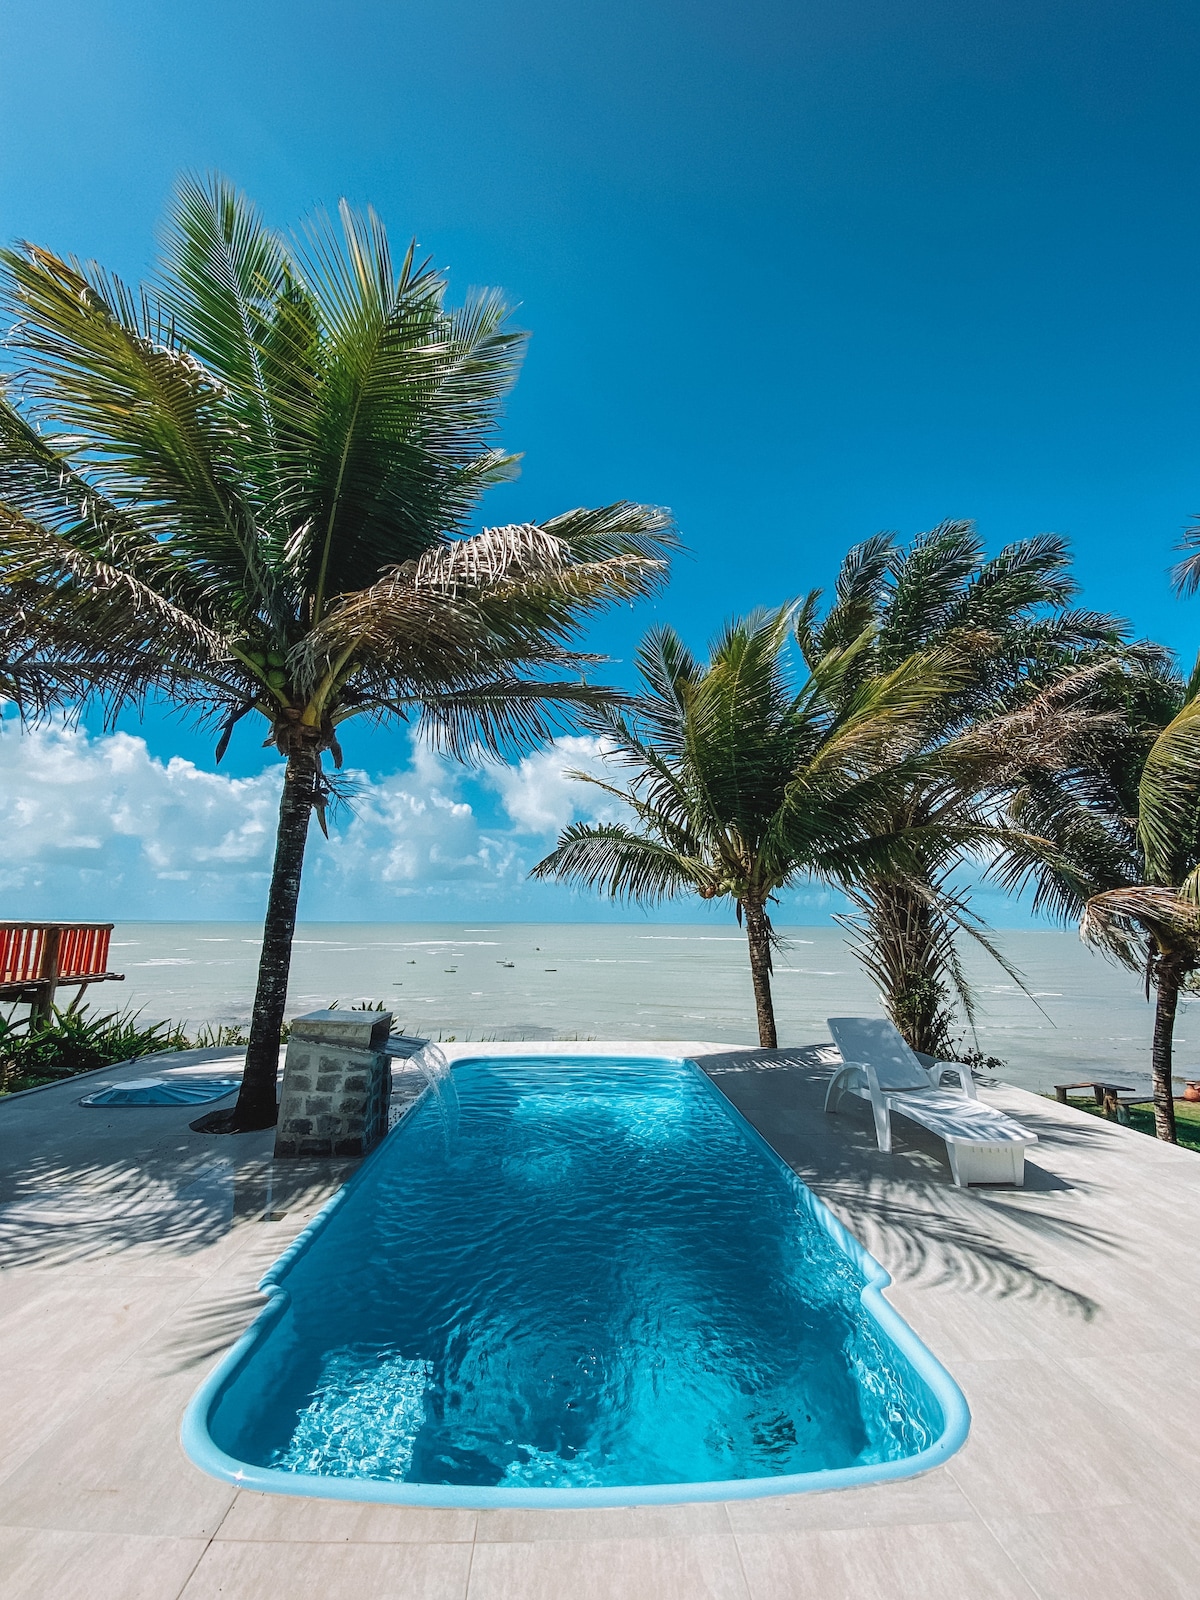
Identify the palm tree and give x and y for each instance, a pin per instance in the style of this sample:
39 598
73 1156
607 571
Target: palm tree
245 488
1113 841
1023 655
741 781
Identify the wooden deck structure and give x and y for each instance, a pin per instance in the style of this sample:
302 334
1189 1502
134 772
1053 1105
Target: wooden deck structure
36 958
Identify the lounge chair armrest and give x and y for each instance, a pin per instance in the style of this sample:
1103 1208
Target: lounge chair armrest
959 1071
843 1079
864 1071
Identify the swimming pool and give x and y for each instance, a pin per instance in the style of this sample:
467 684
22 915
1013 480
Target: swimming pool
566 1280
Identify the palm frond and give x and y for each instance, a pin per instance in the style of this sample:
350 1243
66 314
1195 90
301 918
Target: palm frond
859 595
885 713
906 934
102 602
108 365
1169 796
407 395
513 595
669 671
1186 574
505 715
1120 919
223 279
618 862
927 583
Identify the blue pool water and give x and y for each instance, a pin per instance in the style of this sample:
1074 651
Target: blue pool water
560 1279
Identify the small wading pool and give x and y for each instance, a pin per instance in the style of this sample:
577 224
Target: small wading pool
565 1281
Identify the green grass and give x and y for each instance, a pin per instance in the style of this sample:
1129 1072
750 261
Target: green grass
1187 1118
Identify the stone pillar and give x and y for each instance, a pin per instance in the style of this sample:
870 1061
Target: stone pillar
337 1082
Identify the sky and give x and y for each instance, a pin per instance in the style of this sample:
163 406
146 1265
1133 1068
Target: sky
798 270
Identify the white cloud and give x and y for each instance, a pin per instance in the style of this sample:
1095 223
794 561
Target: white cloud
66 796
540 798
95 824
414 827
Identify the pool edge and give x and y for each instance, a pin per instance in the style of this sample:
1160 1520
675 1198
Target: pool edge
200 1449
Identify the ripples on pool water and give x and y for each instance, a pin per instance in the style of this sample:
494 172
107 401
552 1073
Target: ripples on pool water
580 1275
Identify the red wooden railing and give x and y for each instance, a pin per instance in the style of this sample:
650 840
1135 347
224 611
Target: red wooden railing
37 956
21 951
83 952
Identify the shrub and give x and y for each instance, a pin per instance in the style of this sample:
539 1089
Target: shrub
219 1035
77 1040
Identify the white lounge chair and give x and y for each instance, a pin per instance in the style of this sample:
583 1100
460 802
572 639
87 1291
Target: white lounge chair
983 1144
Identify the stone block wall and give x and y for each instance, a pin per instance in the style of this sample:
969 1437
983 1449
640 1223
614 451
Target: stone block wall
335 1099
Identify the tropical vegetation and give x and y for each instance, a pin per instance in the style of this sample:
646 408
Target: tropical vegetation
953 706
77 1039
1023 695
742 776
245 489
1114 842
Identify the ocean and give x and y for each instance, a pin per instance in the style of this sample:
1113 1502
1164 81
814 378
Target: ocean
498 980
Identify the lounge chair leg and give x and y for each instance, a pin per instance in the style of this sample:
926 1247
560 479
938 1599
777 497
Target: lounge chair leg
982 1164
833 1095
883 1126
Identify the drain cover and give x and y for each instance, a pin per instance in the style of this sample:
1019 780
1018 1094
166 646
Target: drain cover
161 1092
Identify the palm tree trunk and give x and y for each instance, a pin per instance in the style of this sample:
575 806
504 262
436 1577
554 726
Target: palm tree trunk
256 1104
758 934
1167 978
900 941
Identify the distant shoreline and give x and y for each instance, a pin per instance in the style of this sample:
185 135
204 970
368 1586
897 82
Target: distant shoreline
489 978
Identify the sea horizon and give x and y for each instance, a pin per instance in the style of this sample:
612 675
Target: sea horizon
493 978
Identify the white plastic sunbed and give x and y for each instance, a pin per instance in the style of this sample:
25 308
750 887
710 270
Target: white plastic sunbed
983 1144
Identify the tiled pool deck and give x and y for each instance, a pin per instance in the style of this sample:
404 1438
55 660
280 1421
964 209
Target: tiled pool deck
1068 1311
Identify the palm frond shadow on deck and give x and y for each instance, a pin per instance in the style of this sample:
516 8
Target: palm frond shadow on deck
59 1212
209 1328
58 1215
902 1207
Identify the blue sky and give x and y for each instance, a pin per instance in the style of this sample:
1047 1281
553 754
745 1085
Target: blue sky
800 271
